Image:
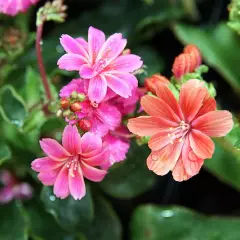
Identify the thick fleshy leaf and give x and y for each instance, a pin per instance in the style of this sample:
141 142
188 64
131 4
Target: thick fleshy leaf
5 152
215 54
12 106
126 179
106 225
72 215
14 219
44 226
151 222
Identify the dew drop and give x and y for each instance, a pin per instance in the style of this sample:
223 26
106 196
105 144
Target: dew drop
52 198
167 213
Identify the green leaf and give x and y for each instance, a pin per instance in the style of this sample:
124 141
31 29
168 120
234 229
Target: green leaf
12 106
225 163
72 215
5 152
177 223
13 224
33 90
126 180
43 226
223 56
106 225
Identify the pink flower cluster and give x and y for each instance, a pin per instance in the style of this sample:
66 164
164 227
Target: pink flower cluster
96 102
13 7
13 189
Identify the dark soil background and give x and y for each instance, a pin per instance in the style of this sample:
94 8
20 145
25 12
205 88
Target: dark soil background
203 193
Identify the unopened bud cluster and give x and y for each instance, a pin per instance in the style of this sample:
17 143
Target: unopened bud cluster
52 11
187 62
69 107
151 82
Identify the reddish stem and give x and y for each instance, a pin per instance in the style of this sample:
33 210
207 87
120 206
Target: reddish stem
125 135
40 62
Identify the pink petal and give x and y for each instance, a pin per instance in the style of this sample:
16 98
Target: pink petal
192 94
109 115
93 174
71 140
99 127
48 178
75 85
118 148
179 173
45 164
148 126
113 47
214 124
96 39
119 86
165 94
91 142
87 72
97 159
127 63
82 42
61 188
97 89
54 150
71 62
23 191
76 184
164 160
201 144
71 45
191 162
157 108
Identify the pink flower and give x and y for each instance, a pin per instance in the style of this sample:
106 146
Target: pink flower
12 189
128 105
103 117
13 7
180 131
118 146
102 62
66 166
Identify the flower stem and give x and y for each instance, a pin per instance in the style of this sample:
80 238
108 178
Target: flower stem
40 62
119 134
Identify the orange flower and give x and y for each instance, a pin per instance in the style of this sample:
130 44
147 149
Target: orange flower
151 82
180 131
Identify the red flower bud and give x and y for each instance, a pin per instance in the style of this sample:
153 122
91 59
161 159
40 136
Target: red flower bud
182 65
85 125
194 50
76 107
64 103
150 83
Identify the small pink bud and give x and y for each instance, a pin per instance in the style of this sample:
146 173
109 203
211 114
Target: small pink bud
76 107
85 125
64 103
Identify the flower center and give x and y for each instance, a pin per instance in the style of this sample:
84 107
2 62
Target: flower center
178 132
72 165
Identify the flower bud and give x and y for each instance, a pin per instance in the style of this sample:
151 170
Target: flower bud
81 97
85 125
195 52
74 95
126 51
150 83
76 107
59 113
182 65
66 113
64 103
